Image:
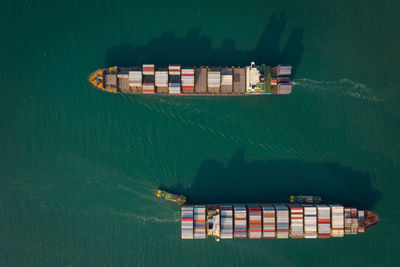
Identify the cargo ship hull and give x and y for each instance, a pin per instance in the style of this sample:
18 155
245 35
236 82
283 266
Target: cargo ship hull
194 81
281 220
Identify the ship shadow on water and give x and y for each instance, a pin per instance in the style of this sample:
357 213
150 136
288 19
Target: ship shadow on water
243 181
197 49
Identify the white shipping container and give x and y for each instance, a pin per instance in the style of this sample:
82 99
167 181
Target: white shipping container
310 222
337 220
226 79
135 76
135 84
161 78
188 71
214 79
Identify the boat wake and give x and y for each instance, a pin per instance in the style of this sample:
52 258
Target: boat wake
345 86
146 219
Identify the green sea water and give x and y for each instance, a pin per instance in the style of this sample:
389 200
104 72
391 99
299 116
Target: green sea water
78 167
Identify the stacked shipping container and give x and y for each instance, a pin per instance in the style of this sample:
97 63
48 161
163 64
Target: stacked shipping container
239 81
187 222
174 79
354 221
284 88
111 80
226 81
350 221
199 222
310 222
255 230
123 82
361 221
324 221
174 69
240 215
284 70
161 81
283 80
148 79
200 81
214 81
268 221
226 222
337 218
296 222
188 81
282 221
347 221
148 69
135 81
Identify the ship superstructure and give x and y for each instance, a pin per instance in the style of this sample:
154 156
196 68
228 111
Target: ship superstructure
195 81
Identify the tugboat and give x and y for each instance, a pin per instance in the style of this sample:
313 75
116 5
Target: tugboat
178 199
305 199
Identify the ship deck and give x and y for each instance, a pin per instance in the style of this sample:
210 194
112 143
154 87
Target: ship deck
233 81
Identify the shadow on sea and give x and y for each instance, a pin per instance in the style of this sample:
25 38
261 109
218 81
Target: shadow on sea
196 49
242 181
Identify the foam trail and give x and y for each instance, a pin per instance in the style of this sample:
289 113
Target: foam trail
144 219
345 86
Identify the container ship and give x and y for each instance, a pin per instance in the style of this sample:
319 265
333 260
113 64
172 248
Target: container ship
283 220
194 81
